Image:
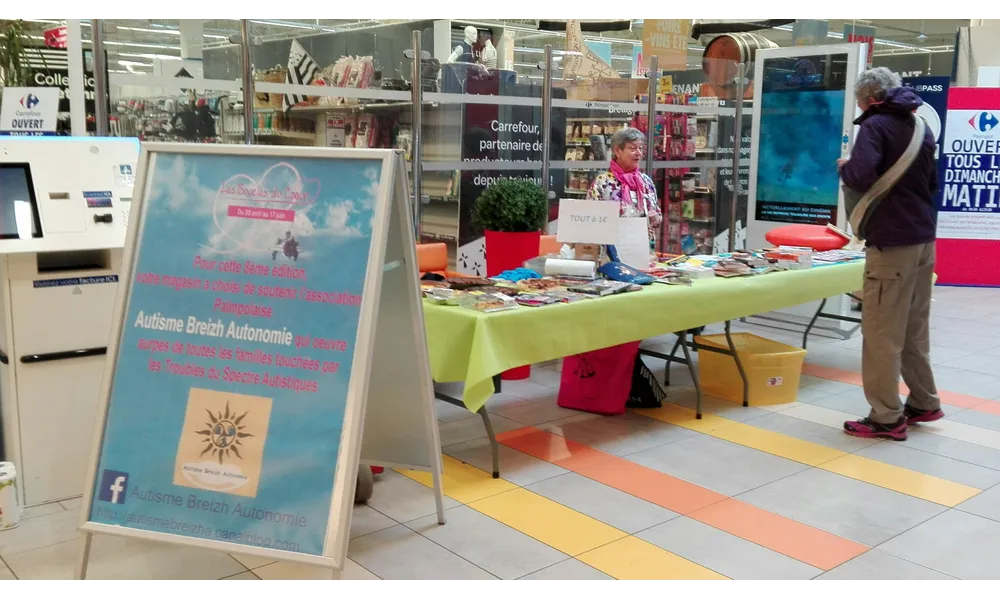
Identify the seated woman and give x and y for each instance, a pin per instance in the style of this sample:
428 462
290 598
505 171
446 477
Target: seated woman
634 191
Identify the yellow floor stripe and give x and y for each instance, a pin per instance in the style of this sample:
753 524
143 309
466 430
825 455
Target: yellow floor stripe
549 522
930 488
563 528
632 558
463 482
912 483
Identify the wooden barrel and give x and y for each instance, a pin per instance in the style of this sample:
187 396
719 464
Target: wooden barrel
723 55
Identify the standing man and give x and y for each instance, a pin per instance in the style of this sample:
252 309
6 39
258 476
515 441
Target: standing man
899 270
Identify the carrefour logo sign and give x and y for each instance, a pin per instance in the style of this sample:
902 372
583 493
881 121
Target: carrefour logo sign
29 101
984 121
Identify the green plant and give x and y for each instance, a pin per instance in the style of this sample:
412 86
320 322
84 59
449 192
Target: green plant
512 206
13 53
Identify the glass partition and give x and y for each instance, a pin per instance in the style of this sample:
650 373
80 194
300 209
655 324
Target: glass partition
159 84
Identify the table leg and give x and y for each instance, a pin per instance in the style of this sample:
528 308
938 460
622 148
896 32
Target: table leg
820 313
682 340
739 366
493 441
666 367
494 446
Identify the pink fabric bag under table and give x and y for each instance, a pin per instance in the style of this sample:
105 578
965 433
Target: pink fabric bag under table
599 381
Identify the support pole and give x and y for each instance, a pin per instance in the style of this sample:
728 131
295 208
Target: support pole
416 155
654 80
737 142
547 120
247 82
100 79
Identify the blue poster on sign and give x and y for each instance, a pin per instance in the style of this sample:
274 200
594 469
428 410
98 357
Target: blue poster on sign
934 92
226 409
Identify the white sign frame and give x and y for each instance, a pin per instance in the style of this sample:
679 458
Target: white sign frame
588 233
756 230
390 261
48 97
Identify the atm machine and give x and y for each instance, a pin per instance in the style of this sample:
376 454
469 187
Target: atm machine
64 206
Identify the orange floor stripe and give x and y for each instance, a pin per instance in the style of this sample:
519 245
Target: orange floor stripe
816 547
802 542
642 482
950 398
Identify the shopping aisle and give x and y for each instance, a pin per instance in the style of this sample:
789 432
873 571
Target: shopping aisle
745 493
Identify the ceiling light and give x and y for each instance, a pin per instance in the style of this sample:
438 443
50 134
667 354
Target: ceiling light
150 56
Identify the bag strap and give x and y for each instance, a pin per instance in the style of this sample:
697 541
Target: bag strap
874 195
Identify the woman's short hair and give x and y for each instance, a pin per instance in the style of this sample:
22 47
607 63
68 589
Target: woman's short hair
626 136
874 83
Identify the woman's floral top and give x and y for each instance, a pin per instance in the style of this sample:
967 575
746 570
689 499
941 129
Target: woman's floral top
606 187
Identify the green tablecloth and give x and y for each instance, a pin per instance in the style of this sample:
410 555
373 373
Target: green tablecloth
469 346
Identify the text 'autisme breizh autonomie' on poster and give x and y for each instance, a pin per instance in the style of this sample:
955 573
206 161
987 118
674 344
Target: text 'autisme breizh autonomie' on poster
230 387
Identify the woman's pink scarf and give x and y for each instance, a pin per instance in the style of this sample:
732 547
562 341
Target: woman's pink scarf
631 182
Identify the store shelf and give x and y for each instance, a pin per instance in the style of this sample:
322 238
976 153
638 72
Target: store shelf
290 135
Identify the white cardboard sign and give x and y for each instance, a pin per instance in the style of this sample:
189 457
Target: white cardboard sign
632 242
27 110
588 222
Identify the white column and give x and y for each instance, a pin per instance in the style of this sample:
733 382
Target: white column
192 44
74 56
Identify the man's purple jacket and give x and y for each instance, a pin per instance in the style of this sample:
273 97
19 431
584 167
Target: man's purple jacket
907 215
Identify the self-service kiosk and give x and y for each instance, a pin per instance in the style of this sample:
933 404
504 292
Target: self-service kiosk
64 206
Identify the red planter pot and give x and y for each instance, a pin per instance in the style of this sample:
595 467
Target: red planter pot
505 251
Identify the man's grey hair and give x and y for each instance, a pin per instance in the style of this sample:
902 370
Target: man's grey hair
626 136
874 83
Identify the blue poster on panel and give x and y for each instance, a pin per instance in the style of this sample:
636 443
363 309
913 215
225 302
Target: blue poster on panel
228 400
934 92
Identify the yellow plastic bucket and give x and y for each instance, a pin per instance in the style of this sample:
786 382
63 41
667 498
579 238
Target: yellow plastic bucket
772 368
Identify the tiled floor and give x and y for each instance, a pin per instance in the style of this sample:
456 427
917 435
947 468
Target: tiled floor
766 492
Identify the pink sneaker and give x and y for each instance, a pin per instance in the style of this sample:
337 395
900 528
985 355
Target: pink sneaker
914 416
866 428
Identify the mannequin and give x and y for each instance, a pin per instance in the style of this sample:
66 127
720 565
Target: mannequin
464 48
489 55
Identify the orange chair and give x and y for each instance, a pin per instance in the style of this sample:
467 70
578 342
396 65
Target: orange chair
433 258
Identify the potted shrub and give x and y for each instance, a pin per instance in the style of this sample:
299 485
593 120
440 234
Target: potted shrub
512 214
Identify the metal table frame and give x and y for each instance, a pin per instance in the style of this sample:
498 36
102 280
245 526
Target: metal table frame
686 346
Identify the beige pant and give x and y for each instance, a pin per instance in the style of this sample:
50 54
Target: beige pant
895 322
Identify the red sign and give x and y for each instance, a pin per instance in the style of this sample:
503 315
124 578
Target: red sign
861 33
56 37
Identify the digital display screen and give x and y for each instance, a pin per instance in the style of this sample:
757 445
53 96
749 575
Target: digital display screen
801 130
18 208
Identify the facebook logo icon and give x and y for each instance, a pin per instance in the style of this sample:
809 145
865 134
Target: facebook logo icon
114 485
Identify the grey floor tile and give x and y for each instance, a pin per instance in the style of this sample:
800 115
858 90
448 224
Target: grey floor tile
488 544
955 543
852 403
403 499
943 356
449 413
621 435
72 504
282 570
719 465
811 432
877 565
469 429
952 448
245 575
8 575
39 532
986 504
114 557
42 510
533 412
604 503
515 466
569 570
859 511
902 455
825 385
546 377
967 382
734 411
401 553
724 553
526 389
365 520
976 418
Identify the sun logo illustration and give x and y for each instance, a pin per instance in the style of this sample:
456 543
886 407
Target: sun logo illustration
223 434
